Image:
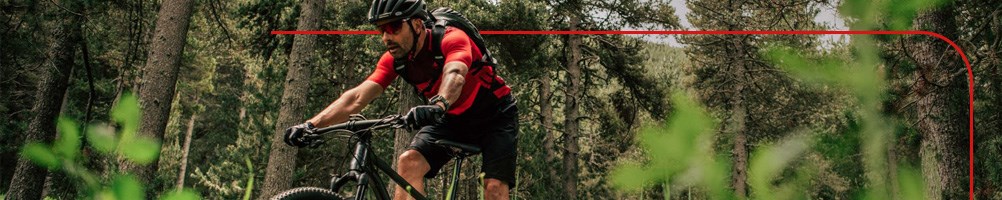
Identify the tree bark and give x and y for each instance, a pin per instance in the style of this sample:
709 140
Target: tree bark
739 115
184 152
942 107
156 92
740 152
282 159
28 178
546 120
59 185
571 115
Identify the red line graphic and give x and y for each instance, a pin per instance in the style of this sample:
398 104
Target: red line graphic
970 72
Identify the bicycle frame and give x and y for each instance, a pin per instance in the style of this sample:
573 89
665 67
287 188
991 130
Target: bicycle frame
364 166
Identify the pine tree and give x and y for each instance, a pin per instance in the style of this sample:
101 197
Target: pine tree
941 107
156 93
28 178
733 79
281 160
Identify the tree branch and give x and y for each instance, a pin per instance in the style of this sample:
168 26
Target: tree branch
65 9
212 8
90 78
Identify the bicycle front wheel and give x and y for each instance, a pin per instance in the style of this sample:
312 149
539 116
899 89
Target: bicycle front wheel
303 193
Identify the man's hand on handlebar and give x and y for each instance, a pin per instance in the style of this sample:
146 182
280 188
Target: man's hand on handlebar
308 135
420 116
302 135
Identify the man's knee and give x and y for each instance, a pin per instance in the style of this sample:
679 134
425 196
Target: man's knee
412 160
495 185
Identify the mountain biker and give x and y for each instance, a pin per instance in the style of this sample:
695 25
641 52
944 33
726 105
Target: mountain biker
467 101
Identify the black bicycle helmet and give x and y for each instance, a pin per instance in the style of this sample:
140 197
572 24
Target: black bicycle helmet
388 10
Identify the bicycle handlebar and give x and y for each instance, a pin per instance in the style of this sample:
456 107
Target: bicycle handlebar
395 121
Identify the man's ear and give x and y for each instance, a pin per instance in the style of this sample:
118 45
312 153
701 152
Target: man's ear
418 23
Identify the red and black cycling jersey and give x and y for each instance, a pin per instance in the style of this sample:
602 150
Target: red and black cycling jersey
422 70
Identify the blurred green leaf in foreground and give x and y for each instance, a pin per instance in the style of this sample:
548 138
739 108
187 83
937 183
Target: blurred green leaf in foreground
64 154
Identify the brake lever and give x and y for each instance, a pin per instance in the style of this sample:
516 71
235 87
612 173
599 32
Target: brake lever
397 121
311 138
356 117
316 143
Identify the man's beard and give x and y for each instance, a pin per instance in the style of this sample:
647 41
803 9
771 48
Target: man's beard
396 50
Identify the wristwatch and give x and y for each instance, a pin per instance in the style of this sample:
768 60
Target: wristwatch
439 98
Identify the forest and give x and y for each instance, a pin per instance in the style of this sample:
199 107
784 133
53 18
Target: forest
189 99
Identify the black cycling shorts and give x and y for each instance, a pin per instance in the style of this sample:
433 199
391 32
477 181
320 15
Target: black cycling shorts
496 134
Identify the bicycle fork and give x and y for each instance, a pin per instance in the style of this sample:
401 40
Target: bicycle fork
359 172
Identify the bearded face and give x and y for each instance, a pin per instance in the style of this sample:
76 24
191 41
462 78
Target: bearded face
398 37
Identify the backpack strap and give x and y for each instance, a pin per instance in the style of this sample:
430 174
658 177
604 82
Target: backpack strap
437 33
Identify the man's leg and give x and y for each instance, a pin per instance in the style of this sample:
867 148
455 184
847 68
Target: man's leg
412 166
500 154
495 189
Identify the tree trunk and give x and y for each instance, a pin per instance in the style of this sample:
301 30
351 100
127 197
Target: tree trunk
942 107
892 170
546 120
401 138
59 185
740 152
282 159
470 184
739 115
156 93
184 152
571 115
28 179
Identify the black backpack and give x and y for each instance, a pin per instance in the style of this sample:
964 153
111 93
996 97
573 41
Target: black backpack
439 19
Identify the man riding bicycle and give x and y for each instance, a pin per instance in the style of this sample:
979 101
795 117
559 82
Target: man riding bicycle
467 101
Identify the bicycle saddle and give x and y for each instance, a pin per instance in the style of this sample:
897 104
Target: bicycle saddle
459 148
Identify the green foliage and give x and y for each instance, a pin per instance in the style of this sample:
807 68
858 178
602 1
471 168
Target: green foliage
68 144
679 152
867 86
185 194
126 114
675 148
66 148
41 154
235 70
767 165
263 16
912 185
141 151
898 14
124 142
102 138
64 153
127 187
860 76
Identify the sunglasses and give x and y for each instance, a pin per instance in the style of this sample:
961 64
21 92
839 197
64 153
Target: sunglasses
392 27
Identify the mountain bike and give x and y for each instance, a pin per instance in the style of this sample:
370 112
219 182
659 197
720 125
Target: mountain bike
365 165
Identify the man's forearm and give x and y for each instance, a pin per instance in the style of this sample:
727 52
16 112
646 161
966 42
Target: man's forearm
337 112
350 102
452 81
